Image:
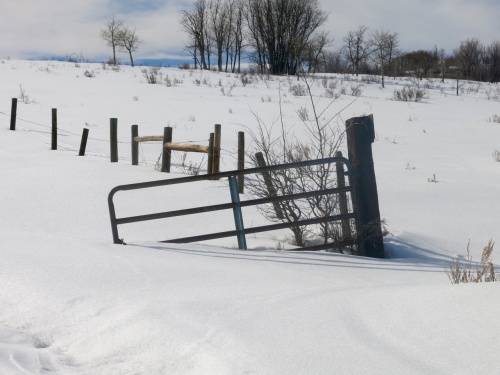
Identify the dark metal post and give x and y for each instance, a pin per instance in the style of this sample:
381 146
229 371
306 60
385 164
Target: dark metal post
135 145
344 209
13 114
238 216
54 129
166 158
360 135
83 144
114 139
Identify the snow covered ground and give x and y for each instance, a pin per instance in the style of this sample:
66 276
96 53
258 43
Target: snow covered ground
71 302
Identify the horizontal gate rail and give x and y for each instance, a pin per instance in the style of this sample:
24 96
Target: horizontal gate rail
253 202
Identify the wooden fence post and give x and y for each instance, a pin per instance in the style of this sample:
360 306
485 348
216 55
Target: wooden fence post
83 143
166 158
54 129
360 135
113 138
13 114
135 145
261 162
210 161
344 209
241 161
216 149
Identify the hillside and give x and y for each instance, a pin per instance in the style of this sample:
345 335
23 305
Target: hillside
71 302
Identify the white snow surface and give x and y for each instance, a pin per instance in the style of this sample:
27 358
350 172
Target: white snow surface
72 302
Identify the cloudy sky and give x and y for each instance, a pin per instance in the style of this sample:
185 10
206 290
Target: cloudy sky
48 28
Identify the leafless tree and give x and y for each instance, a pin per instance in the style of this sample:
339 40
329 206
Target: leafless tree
321 140
129 42
194 22
112 33
281 30
469 56
315 50
492 58
357 47
235 34
384 46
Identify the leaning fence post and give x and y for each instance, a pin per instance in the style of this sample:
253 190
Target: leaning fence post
135 145
241 161
216 149
360 135
54 129
83 144
113 137
261 162
344 210
13 114
210 161
166 154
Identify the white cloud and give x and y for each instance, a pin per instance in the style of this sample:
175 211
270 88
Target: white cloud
53 27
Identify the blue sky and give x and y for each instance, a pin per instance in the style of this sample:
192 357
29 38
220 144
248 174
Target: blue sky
34 28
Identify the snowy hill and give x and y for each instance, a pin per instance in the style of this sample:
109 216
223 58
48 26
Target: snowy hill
72 302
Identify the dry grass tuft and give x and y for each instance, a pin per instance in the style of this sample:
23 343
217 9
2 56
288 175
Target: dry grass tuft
466 272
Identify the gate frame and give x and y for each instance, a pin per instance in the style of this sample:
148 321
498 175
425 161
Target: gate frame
236 205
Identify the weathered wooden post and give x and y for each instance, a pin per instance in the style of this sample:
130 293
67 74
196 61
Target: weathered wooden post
241 161
344 209
113 138
360 135
166 158
54 129
13 114
135 145
83 143
268 181
210 161
216 149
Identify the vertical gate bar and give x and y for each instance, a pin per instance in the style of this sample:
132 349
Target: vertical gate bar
238 216
346 225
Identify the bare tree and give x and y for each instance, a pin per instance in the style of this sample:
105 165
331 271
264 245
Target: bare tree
111 33
315 50
384 46
357 47
194 22
492 58
233 43
322 139
129 42
281 30
469 56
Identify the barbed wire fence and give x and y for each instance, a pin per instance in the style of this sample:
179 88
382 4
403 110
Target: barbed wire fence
179 160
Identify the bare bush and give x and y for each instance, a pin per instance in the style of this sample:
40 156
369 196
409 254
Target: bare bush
303 114
496 155
298 90
151 74
322 139
495 118
409 94
468 272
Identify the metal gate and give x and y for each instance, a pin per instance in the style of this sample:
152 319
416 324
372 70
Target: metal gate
346 212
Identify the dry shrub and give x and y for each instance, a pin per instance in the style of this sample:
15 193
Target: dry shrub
466 272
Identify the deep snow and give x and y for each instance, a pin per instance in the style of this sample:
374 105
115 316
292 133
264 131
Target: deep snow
71 302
